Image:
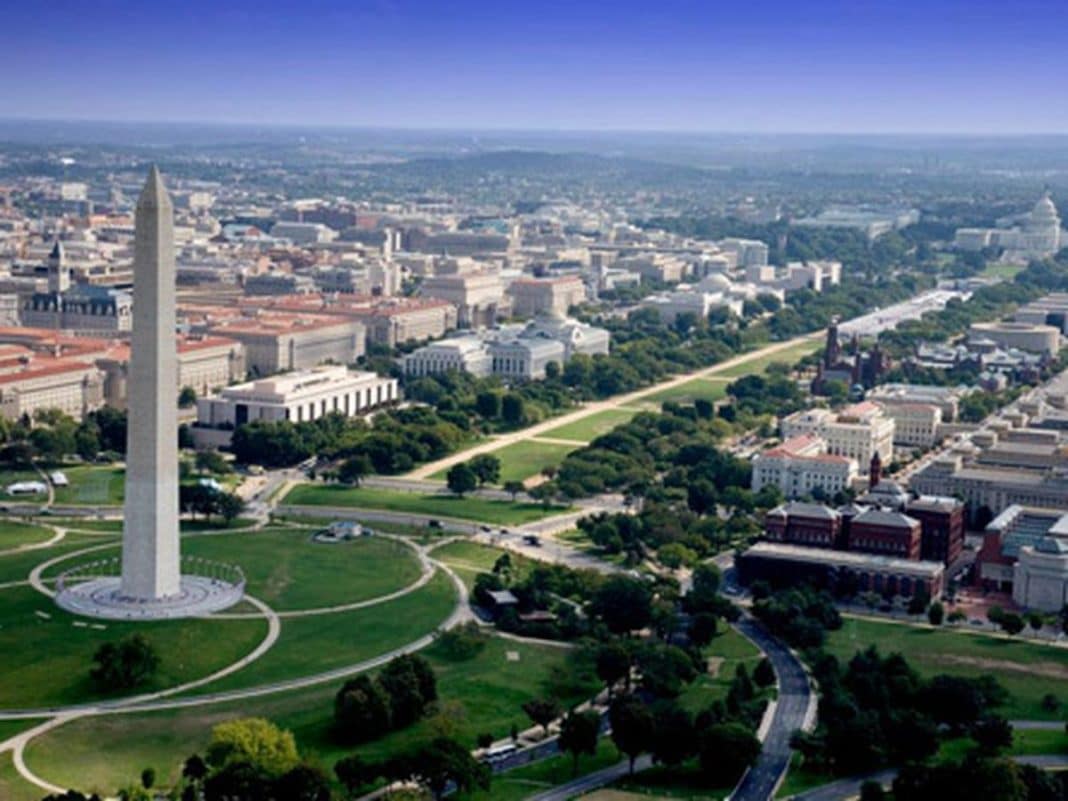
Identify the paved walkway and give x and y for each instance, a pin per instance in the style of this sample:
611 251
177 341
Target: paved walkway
590 409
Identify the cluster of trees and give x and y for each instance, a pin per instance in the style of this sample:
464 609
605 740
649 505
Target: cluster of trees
478 471
877 711
437 766
251 759
203 499
123 665
979 775
396 440
52 436
366 707
800 616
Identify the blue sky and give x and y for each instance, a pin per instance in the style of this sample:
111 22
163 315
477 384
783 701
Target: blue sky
756 65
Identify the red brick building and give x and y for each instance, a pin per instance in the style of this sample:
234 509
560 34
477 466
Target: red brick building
879 531
808 524
941 525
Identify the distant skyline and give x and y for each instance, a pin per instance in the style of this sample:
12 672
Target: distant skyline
944 66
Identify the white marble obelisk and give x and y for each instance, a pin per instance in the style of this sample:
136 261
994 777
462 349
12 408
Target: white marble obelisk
150 549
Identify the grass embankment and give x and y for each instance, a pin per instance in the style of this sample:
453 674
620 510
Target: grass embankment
438 505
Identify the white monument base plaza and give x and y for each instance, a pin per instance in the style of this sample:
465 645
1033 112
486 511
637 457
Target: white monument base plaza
89 590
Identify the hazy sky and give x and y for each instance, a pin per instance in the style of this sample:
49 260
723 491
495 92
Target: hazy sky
756 65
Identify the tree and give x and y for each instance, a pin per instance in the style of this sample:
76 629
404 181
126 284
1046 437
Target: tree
255 742
725 750
578 735
613 664
461 479
212 462
486 467
488 405
1011 623
303 783
764 673
194 768
632 727
542 711
240 780
993 734
623 604
703 627
148 778
410 682
513 488
513 409
126 664
187 397
352 470
935 614
353 773
673 735
229 505
872 791
1036 621
362 710
444 762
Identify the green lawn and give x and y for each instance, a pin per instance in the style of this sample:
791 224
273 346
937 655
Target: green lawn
725 653
12 786
17 566
13 534
1028 670
589 428
468 559
523 460
490 688
45 658
684 782
286 570
710 389
187 526
467 508
1004 271
758 364
319 643
92 486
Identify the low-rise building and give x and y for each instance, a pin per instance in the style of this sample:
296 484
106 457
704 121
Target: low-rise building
840 571
941 527
885 532
800 466
37 383
555 296
1040 576
298 397
858 431
275 342
808 524
915 424
466 354
1042 339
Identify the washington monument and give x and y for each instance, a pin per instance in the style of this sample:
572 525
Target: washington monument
150 547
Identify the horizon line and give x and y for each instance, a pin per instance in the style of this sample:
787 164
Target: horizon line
430 128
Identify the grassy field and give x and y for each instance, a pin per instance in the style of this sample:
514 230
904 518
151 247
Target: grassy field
12 786
490 688
468 559
1004 271
286 570
92 486
45 658
724 654
759 364
16 566
589 428
467 508
1027 670
315 644
522 460
13 534
710 389
187 526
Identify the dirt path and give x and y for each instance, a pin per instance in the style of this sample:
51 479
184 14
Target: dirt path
535 431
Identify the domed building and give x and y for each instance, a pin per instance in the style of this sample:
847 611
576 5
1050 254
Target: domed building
1034 235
